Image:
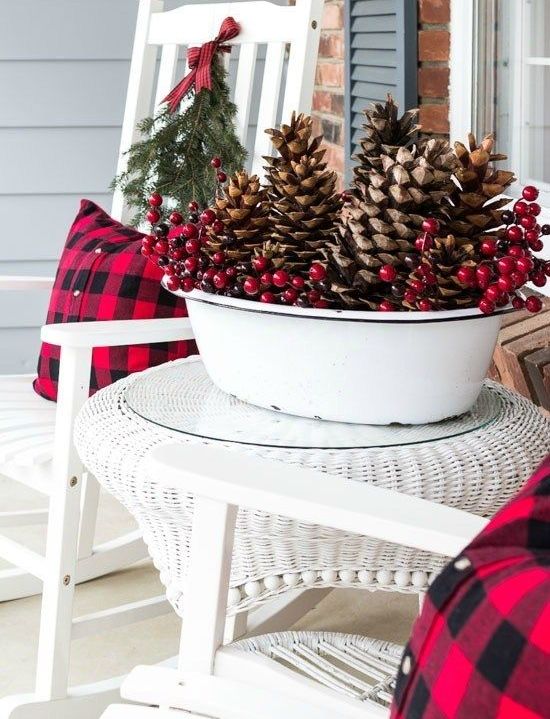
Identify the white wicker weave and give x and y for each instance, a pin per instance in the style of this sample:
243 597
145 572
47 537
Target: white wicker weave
476 470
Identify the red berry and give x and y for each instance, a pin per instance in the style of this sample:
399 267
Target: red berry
217 227
538 279
218 258
266 279
317 273
169 270
209 274
533 304
153 216
321 305
313 296
161 247
536 245
430 225
531 235
260 263
515 251
506 283
493 292
191 264
190 231
173 283
176 218
386 306
297 282
518 303
424 305
503 300
528 222
486 306
483 275
417 285
251 285
216 162
178 254
520 208
290 295
547 268
149 241
187 284
208 217
231 272
387 273
147 251
193 246
530 193
514 233
268 297
222 177
466 275
155 200
506 265
424 242
518 278
410 296
545 230
219 280
280 278
193 206
534 209
488 247
524 264
430 278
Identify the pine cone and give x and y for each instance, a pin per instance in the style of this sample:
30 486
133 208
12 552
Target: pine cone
301 190
243 210
387 204
473 210
443 260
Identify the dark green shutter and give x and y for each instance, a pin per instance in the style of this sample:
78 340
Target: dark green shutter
381 57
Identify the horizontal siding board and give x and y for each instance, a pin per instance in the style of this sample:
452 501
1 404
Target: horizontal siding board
58 160
370 73
374 41
378 23
44 239
63 94
24 345
373 7
377 58
67 29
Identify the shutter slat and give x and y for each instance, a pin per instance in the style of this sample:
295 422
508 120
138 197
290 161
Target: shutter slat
373 7
382 58
379 58
370 73
376 23
374 41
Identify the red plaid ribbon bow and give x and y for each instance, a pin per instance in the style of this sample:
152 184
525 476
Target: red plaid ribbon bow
200 60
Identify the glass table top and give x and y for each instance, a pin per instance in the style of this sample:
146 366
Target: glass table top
181 397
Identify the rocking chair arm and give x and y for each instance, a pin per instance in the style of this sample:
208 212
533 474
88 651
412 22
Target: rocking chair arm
116 333
17 282
313 496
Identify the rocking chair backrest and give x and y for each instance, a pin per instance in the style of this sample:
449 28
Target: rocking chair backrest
262 23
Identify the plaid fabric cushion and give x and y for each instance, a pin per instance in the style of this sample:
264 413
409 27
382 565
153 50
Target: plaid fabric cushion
481 646
103 276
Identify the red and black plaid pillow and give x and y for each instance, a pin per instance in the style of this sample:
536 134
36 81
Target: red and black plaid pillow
481 647
103 276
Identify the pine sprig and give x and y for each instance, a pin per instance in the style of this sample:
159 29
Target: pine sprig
173 158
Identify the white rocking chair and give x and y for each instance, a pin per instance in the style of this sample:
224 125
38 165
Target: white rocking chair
295 675
35 435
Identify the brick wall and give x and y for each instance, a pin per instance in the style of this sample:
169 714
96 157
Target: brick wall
433 69
433 75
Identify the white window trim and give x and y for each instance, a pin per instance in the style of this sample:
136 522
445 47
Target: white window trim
462 65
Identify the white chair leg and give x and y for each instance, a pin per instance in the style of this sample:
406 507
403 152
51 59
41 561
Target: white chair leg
235 627
88 515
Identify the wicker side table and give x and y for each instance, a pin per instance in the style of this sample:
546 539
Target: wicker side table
475 462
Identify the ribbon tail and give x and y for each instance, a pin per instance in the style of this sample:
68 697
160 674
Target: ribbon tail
176 95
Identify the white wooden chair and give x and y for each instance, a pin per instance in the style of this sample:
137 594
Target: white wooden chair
35 435
295 675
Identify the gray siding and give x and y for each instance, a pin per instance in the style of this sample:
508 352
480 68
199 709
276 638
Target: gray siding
64 68
381 46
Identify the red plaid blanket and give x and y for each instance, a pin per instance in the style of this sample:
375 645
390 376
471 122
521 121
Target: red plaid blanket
481 646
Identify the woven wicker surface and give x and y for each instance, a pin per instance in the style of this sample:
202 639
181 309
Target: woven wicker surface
477 471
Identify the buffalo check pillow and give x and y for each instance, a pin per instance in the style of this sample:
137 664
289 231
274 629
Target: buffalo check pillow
103 276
